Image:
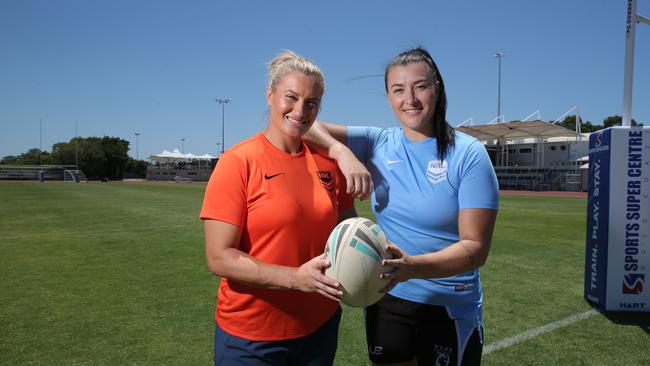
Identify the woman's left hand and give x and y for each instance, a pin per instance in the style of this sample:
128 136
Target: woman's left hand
398 267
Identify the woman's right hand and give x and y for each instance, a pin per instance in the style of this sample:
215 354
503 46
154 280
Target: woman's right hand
310 277
359 181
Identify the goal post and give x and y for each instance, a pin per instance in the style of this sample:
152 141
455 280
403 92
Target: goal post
630 29
73 175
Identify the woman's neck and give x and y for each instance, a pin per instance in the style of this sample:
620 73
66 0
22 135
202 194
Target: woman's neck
289 144
418 135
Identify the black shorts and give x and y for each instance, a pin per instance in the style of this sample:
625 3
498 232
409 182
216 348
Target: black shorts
399 330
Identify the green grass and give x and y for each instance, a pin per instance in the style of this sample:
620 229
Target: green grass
114 274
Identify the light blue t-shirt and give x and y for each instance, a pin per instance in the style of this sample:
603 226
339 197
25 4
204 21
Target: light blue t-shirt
417 198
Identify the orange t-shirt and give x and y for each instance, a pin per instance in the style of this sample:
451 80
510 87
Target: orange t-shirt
286 206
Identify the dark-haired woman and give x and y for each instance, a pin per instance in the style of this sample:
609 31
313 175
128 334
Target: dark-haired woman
436 197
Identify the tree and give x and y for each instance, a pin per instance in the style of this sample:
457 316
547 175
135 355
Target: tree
9 159
617 120
31 157
570 123
104 157
136 168
63 153
116 152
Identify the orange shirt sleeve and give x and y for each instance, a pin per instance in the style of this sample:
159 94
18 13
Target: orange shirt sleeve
225 195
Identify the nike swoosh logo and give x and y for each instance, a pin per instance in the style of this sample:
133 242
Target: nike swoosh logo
266 176
389 162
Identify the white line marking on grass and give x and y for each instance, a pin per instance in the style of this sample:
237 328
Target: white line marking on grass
532 333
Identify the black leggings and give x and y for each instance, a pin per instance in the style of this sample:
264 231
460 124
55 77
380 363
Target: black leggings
399 330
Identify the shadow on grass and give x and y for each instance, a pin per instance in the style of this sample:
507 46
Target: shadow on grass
642 319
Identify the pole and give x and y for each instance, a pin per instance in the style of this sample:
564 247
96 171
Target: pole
499 91
499 55
76 148
223 127
40 142
223 102
41 173
630 28
137 146
578 141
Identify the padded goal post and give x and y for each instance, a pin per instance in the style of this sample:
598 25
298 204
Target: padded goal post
617 257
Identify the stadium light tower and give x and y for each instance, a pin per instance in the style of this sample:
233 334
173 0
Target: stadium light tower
223 102
498 56
137 146
76 149
630 29
40 142
183 145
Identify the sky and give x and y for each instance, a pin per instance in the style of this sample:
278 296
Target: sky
120 67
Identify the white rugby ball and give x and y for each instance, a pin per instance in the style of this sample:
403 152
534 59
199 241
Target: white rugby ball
355 248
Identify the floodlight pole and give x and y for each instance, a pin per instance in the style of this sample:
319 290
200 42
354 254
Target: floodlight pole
630 29
40 142
223 102
41 173
137 146
76 149
499 55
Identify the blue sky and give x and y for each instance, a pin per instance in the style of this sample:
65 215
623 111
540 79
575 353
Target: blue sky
154 67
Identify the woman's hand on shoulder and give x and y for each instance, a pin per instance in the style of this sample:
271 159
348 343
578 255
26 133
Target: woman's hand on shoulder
310 277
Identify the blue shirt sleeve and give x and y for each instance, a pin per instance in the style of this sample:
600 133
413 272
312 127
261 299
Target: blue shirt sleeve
479 187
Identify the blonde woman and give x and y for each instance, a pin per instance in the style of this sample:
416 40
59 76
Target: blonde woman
268 209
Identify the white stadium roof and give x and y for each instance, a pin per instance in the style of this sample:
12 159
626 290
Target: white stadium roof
175 156
516 130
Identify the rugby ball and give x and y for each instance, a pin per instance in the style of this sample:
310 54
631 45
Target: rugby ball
355 249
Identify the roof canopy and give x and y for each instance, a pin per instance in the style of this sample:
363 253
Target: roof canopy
176 156
515 130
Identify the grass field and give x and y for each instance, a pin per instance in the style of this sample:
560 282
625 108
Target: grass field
114 274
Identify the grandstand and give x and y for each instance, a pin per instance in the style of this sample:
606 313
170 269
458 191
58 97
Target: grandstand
178 167
66 173
534 155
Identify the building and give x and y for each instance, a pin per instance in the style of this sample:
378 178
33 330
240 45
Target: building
534 155
179 167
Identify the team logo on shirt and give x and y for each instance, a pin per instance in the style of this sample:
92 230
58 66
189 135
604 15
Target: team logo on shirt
326 179
442 355
437 171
